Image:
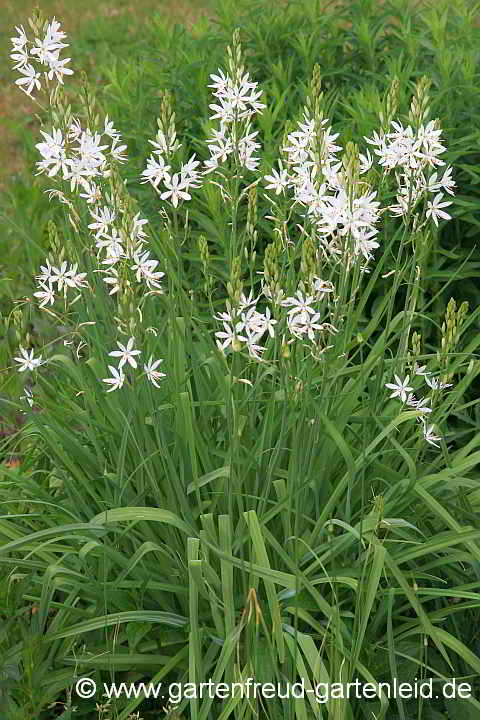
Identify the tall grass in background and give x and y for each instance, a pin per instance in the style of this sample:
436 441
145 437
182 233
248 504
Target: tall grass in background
259 503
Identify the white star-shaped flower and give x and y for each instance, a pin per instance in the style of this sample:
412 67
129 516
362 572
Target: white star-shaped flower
400 388
151 371
117 380
27 361
126 354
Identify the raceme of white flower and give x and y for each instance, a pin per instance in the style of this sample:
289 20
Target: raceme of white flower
414 156
402 390
83 159
39 57
237 102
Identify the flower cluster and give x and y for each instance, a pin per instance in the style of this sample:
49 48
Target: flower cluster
40 56
238 100
119 240
246 325
303 319
81 156
176 185
127 354
404 392
83 162
84 159
414 156
320 186
59 278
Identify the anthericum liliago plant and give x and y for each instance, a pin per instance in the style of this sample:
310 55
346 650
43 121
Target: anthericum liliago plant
338 208
252 392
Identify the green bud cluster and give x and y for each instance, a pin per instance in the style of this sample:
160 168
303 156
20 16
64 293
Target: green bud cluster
271 267
235 284
235 59
390 105
451 328
419 107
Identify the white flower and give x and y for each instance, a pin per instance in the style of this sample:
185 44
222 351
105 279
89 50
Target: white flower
303 323
436 384
230 336
137 223
400 388
74 279
254 350
90 150
221 82
112 244
112 279
104 218
447 182
109 129
144 268
176 188
46 50
61 275
366 162
221 150
19 50
31 79
299 303
189 174
58 69
430 437
165 144
28 396
421 405
245 302
434 209
321 287
46 295
126 354
46 274
278 181
155 171
53 153
117 380
421 370
151 371
27 361
117 151
256 324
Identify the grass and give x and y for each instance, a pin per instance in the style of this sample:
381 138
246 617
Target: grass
283 519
